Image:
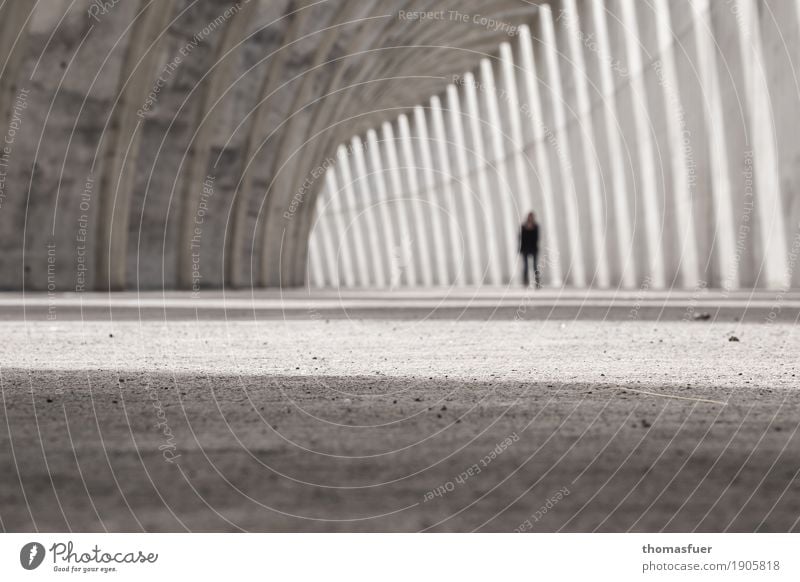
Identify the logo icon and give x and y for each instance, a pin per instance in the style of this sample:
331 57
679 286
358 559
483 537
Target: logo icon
31 555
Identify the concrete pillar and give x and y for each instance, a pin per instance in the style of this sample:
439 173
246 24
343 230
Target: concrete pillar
424 265
724 238
687 144
354 224
780 33
646 172
480 182
465 195
615 61
323 240
733 115
502 193
450 212
550 248
406 273
773 256
366 209
522 199
343 252
429 194
316 264
587 178
618 193
576 268
388 243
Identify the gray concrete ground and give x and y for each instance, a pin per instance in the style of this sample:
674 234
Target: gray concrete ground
644 420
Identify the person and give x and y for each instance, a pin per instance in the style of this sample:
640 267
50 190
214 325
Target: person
529 249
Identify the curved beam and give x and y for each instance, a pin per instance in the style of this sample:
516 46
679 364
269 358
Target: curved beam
285 169
259 127
207 112
122 139
14 17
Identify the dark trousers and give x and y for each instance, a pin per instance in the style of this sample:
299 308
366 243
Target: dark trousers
525 269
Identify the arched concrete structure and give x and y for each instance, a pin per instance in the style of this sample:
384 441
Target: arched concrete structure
640 154
199 144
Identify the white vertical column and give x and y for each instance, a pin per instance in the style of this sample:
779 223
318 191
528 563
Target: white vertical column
425 271
534 102
404 256
340 226
466 198
382 203
584 113
321 238
503 194
315 262
523 195
428 191
684 217
762 133
618 187
797 11
647 170
482 183
564 157
455 254
715 126
353 224
368 209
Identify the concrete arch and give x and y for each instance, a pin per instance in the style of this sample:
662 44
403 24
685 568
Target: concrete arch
578 109
139 69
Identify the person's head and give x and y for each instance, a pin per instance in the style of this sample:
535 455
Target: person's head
531 219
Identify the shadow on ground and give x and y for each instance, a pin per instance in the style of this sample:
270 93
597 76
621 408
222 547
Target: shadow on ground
93 451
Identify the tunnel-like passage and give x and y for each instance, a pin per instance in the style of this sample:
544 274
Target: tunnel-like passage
186 144
654 154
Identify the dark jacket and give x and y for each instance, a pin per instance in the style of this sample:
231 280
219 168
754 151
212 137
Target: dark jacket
529 239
